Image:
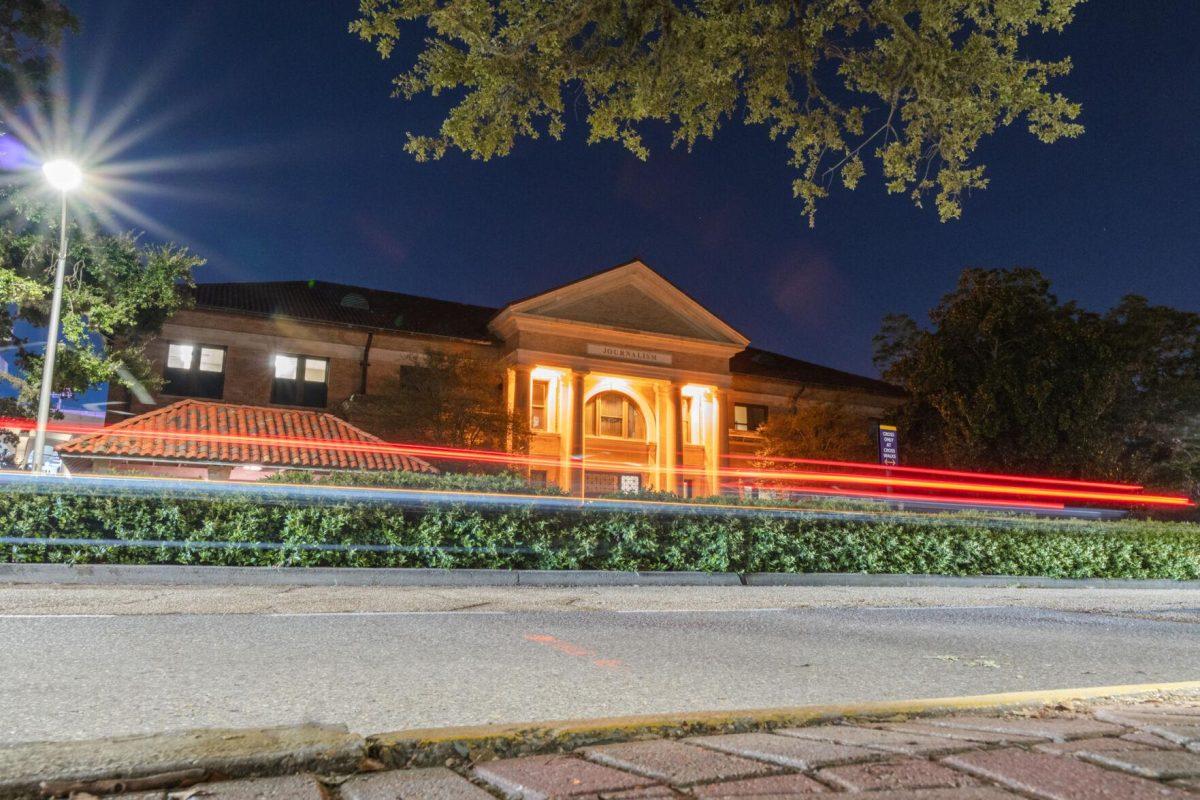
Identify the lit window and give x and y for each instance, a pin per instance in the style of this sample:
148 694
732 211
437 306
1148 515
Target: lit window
314 370
300 381
285 367
685 412
539 394
187 375
748 418
179 356
614 415
212 359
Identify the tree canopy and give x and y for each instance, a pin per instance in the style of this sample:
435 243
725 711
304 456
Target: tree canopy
118 289
913 84
1008 377
118 292
449 399
29 32
813 429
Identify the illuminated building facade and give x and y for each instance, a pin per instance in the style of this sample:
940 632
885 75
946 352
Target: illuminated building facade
627 382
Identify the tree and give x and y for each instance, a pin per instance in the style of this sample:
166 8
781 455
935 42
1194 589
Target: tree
449 399
809 429
118 291
29 32
919 81
1010 378
117 294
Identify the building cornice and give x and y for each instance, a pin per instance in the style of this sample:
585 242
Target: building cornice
509 322
617 369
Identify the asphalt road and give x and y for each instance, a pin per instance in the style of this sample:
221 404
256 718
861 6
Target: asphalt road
65 676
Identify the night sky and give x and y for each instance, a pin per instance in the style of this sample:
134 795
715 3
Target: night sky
291 166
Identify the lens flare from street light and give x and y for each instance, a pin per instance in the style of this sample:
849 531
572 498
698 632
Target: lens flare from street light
63 174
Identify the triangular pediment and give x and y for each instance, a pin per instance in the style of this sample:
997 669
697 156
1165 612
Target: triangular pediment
630 297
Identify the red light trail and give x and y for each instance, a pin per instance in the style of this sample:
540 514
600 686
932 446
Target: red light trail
948 472
1047 492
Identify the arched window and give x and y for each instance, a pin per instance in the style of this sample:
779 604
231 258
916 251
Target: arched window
614 415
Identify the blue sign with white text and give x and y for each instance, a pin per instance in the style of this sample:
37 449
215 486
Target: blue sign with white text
889 446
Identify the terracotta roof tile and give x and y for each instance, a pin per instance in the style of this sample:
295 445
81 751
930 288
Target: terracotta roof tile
224 433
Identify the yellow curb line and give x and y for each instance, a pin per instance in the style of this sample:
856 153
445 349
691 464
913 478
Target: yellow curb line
422 746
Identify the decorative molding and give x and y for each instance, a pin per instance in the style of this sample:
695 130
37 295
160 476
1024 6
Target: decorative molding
636 274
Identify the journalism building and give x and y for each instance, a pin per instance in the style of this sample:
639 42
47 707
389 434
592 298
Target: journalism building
620 371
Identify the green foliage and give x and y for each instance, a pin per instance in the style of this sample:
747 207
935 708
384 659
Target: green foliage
117 294
29 32
183 529
810 429
1009 378
504 482
919 81
118 290
448 399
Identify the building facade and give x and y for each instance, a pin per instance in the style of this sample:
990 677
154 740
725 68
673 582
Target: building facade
627 383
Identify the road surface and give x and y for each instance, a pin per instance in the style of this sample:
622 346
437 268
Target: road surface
95 668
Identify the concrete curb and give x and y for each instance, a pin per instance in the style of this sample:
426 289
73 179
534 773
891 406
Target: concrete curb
966 581
330 749
184 575
227 752
432 746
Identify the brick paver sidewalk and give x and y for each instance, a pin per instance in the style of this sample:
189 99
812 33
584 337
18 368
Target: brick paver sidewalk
1120 752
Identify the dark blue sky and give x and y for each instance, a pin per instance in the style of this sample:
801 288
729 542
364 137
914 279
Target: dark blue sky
297 171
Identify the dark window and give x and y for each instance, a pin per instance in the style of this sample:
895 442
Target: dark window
194 371
300 381
748 418
537 477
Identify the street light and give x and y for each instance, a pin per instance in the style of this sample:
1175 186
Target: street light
64 176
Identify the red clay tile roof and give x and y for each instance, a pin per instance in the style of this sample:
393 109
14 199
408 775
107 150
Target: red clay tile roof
224 433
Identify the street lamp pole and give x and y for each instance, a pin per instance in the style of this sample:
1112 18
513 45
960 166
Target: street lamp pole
64 176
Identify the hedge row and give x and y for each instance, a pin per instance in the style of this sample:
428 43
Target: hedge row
239 530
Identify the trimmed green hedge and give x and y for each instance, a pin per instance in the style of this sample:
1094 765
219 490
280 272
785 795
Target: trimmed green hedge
288 532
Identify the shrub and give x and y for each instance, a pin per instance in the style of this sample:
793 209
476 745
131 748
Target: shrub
246 529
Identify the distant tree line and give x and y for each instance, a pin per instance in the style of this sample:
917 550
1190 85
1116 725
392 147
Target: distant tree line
1009 377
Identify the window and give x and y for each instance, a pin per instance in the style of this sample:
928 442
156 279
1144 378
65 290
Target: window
538 477
194 371
300 381
539 394
614 415
691 426
748 418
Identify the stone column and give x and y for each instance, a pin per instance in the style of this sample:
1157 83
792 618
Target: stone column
677 435
577 395
724 419
565 425
520 400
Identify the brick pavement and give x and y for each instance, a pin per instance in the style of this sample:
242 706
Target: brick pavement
1120 752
